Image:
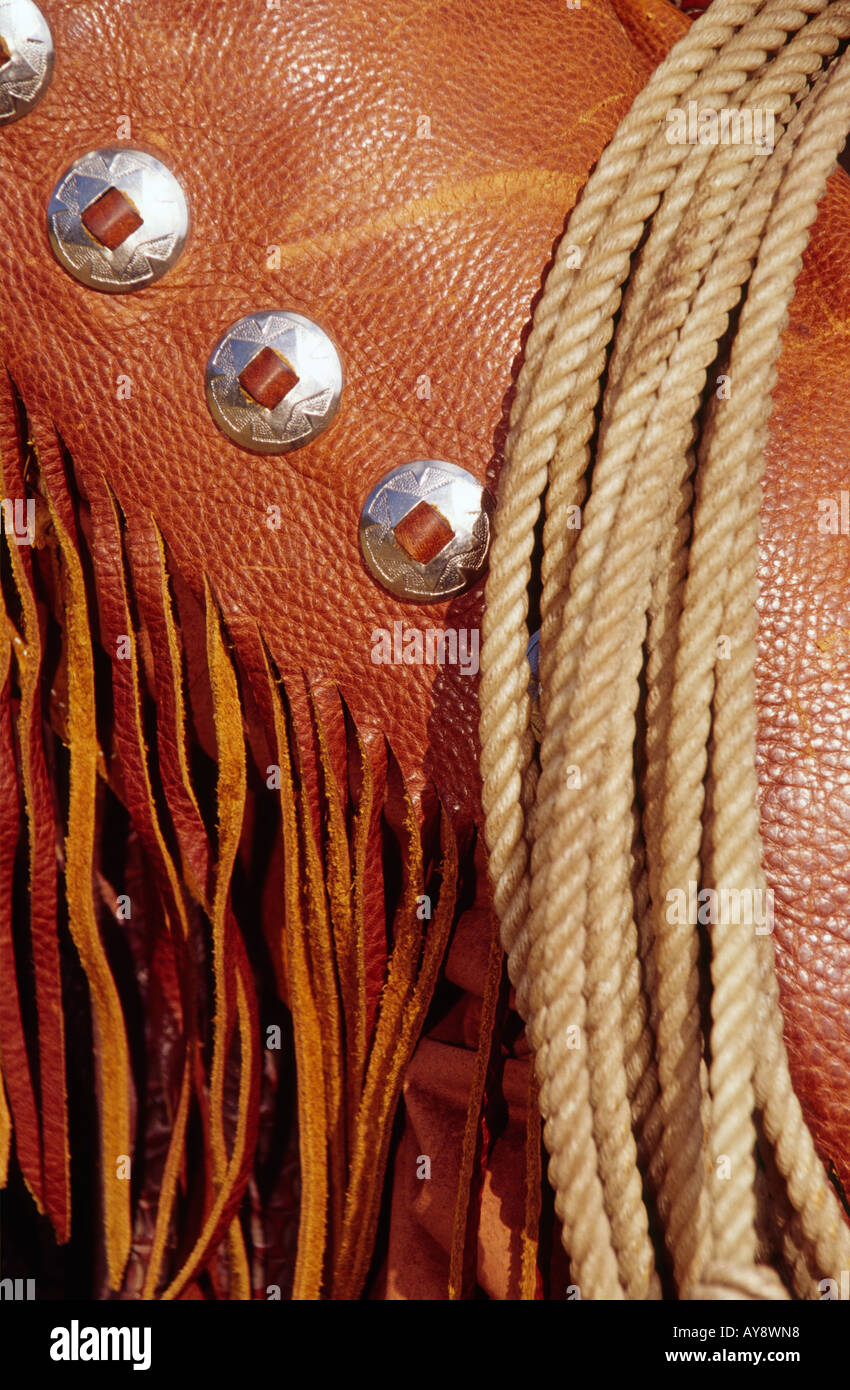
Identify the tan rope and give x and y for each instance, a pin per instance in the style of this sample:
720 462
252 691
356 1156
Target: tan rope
662 570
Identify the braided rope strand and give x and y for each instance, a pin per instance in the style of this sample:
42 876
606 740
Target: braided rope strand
662 567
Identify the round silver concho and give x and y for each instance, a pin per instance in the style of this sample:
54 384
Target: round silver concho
26 58
274 381
117 219
425 530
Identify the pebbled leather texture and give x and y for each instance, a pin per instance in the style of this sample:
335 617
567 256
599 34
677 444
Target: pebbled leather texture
421 254
401 175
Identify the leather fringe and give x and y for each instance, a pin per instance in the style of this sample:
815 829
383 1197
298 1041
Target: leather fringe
167 811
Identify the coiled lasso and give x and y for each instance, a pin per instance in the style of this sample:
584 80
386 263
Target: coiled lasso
662 567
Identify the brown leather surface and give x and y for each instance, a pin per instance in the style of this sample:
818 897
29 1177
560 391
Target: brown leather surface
421 255
804 682
296 128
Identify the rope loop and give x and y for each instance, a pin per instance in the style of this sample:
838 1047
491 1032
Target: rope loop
647 661
728 1283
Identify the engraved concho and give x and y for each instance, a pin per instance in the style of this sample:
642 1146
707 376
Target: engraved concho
149 251
25 75
458 499
305 411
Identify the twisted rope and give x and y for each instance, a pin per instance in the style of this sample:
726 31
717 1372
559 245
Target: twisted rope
640 1107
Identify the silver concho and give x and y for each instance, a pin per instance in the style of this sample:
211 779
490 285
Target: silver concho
425 530
26 58
117 219
274 381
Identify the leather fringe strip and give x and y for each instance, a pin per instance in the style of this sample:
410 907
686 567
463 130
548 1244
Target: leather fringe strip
166 812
